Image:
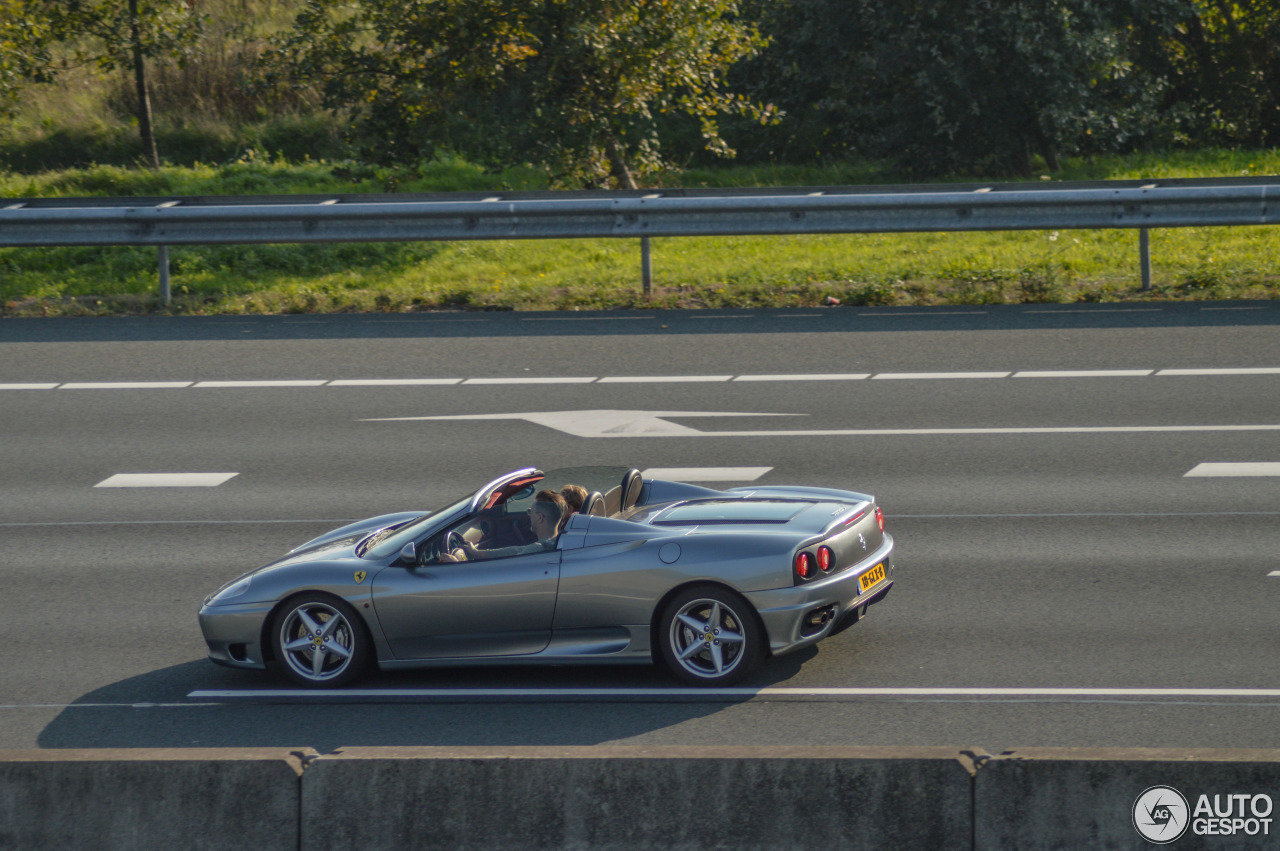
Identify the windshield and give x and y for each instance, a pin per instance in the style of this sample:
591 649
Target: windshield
388 543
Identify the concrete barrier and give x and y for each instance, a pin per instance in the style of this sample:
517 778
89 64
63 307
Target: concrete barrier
1042 798
632 797
626 797
149 799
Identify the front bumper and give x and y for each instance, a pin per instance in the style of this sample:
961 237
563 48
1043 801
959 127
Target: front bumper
234 633
788 613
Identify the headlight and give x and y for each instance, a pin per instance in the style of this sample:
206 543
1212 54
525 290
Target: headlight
229 592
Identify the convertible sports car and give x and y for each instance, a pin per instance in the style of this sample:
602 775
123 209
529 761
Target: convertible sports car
704 581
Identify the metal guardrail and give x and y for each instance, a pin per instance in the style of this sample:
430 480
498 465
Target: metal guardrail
163 222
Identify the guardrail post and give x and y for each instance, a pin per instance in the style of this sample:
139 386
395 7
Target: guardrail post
164 275
1144 254
646 266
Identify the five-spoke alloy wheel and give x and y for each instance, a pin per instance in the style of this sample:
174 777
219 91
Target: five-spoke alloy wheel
709 636
319 641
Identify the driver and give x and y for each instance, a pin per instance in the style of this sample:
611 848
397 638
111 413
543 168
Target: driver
545 514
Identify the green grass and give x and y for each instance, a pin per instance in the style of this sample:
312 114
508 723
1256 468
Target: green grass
865 269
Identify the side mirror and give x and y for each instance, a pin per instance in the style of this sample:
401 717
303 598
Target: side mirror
409 554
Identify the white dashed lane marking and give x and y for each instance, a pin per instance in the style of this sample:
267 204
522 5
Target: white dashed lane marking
1083 373
392 382
165 480
1236 469
1264 370
125 385
840 376
939 375
633 379
309 383
660 379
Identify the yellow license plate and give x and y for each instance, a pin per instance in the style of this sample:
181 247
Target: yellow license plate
871 577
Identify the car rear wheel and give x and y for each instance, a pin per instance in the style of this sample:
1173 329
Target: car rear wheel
709 636
320 641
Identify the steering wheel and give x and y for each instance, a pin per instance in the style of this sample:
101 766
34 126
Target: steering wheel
453 541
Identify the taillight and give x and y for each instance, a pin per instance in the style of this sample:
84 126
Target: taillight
804 565
880 518
825 558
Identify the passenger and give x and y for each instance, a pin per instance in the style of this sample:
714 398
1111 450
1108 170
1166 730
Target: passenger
575 496
545 516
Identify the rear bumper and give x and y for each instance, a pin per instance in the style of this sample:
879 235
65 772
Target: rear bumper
789 614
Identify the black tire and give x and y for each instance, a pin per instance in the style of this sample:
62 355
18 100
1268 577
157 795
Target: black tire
319 641
709 636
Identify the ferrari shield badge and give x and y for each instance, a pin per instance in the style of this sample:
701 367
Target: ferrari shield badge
360 575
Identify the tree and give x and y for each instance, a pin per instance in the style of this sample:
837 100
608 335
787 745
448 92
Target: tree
1219 62
941 87
125 35
579 85
25 38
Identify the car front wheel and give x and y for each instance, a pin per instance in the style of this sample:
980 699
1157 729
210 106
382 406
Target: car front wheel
319 641
709 636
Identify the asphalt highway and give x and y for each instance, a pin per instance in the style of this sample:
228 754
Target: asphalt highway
1086 503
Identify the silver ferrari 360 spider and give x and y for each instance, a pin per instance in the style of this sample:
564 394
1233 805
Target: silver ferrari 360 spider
704 581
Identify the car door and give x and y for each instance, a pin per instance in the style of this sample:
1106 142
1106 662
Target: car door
498 607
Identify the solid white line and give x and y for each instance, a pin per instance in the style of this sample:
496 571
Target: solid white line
27 386
540 380
585 318
894 432
391 382
706 474
661 379
1243 469
318 383
766 692
835 376
125 385
1264 370
927 315
165 480
1274 573
932 375
1083 373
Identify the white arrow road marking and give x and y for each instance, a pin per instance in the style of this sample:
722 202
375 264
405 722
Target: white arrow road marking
165 480
1219 470
605 423
599 423
706 474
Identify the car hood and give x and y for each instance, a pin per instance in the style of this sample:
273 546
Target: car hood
352 533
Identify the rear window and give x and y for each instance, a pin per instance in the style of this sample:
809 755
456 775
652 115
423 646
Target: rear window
729 511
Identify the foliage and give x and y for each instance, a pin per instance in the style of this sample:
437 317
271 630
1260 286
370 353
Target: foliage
1218 66
25 39
941 87
578 85
123 35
